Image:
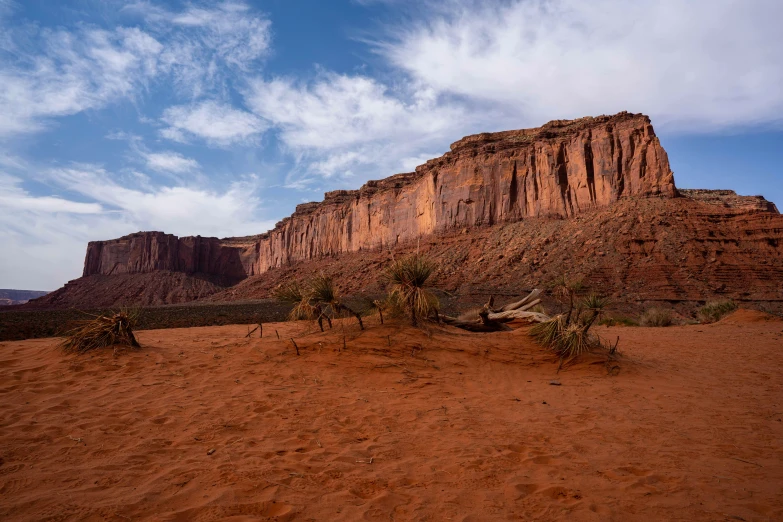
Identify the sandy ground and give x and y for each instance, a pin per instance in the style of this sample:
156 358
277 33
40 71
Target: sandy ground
403 424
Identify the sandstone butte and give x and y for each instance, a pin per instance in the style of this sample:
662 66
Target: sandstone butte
562 170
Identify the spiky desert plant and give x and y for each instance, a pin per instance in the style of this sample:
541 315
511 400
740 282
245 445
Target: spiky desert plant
568 334
594 307
407 279
323 292
572 342
547 333
293 293
715 310
114 329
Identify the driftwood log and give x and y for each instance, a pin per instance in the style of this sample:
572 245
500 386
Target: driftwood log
493 319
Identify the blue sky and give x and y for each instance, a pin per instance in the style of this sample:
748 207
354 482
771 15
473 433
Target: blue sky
217 118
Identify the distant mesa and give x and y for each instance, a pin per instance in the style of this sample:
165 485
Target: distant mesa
16 297
560 171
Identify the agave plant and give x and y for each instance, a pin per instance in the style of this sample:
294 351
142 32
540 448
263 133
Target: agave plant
407 279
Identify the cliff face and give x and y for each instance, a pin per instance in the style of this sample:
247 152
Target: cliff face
230 260
560 169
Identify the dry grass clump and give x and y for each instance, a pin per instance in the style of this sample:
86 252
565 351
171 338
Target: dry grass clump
715 310
407 279
656 317
568 335
100 332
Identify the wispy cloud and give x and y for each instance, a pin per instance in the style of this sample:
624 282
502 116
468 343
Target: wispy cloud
170 162
76 71
341 122
206 44
217 123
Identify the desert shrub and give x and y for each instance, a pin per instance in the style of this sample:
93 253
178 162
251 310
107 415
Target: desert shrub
102 331
714 310
406 279
568 335
656 317
316 299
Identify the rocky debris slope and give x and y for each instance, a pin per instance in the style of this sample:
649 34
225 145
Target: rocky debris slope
638 249
153 288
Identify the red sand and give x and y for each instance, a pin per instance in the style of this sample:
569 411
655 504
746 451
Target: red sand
456 426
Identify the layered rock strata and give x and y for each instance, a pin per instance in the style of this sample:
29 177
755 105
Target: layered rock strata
561 169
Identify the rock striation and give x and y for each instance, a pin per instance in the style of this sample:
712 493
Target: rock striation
559 170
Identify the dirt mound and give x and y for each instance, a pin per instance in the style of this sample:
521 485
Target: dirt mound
744 316
154 288
395 424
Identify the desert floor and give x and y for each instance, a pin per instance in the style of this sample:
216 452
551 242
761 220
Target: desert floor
402 424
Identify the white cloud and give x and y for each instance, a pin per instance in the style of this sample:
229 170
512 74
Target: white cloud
178 210
342 123
44 237
75 72
170 162
217 123
693 64
204 46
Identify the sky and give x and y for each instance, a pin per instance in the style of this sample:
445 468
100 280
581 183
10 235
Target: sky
217 118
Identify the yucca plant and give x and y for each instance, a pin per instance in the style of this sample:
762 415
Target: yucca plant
323 292
294 294
407 279
547 333
313 300
102 331
568 334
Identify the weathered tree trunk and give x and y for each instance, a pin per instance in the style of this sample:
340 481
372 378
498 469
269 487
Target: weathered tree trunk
490 320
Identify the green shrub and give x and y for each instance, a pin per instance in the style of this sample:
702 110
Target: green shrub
656 317
715 310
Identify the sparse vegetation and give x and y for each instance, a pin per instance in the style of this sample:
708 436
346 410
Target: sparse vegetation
715 310
568 334
316 299
102 331
656 317
407 282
